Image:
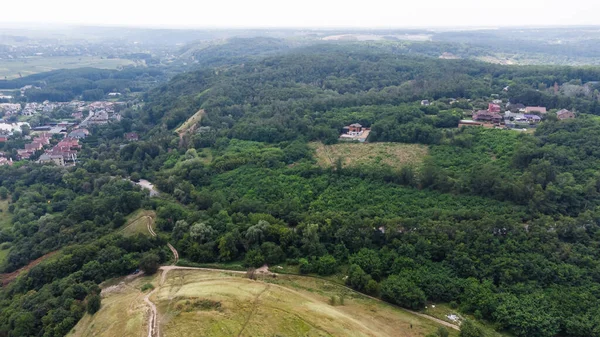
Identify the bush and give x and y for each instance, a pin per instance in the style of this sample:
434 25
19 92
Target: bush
326 265
305 266
93 304
443 332
469 329
372 287
147 286
254 258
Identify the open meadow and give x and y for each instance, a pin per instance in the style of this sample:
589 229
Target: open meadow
394 155
221 303
10 69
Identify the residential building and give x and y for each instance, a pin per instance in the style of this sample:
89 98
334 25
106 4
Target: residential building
492 107
565 114
534 109
487 116
425 102
79 133
355 132
51 158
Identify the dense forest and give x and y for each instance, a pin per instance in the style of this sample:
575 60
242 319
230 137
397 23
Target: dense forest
86 83
500 224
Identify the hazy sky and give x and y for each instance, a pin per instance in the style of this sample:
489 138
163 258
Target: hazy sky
305 13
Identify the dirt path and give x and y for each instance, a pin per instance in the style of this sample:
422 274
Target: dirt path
9 277
153 325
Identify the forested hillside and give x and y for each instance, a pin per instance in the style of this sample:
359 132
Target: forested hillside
502 225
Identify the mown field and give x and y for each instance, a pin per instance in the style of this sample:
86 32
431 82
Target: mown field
10 69
211 304
395 155
138 222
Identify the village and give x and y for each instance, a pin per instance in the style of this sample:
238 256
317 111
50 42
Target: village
512 116
68 133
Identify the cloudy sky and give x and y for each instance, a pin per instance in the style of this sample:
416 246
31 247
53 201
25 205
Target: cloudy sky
305 13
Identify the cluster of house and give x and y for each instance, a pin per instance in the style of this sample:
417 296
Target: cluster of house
98 112
515 116
63 153
101 113
10 108
36 144
355 132
30 109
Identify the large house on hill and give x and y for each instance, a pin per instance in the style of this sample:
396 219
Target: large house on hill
487 116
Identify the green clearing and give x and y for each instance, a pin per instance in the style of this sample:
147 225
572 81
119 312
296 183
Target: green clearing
137 223
394 155
10 69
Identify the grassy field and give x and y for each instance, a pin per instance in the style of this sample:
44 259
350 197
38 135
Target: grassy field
138 222
10 69
395 155
190 122
123 312
211 304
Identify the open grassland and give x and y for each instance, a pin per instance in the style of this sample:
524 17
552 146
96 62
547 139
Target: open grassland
394 155
200 303
123 312
10 69
138 223
221 303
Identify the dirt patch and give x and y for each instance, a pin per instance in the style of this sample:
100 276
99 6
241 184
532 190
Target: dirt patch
9 277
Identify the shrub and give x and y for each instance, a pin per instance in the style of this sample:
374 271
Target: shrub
93 303
147 286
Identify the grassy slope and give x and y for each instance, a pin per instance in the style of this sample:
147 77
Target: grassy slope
286 306
123 312
11 68
137 222
190 122
395 155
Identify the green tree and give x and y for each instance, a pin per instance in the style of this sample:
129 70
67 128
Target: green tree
254 258
3 192
403 292
149 263
93 303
